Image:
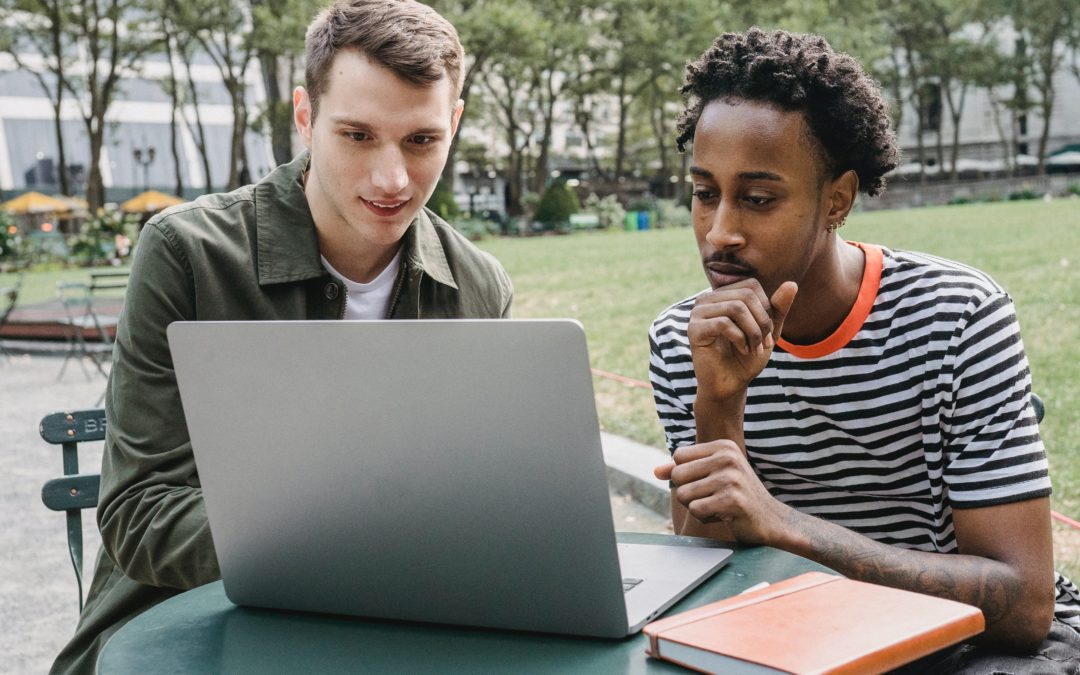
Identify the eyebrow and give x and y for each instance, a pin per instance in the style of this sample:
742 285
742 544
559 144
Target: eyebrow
745 175
348 121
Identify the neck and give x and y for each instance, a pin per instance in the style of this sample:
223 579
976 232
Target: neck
827 293
357 263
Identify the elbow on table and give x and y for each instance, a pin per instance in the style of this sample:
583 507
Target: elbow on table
116 537
1025 628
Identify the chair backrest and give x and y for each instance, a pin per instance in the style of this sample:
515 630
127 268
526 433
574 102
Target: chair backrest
73 294
8 298
1040 409
108 282
73 491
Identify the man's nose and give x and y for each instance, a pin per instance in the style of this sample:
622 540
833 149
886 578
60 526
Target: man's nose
390 175
725 228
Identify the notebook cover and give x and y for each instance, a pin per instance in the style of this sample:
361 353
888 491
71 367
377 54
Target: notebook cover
817 623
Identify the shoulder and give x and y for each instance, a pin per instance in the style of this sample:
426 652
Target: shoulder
910 271
213 213
465 258
674 319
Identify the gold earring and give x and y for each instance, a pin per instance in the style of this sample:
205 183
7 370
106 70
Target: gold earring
833 227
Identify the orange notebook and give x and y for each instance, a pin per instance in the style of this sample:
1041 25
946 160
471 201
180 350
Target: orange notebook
813 623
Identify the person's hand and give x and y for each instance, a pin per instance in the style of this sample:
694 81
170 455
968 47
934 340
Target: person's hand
732 332
716 484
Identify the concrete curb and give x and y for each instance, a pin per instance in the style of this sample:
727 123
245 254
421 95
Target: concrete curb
630 471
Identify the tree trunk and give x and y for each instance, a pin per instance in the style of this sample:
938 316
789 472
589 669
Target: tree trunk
620 146
200 137
175 104
95 186
583 117
65 183
956 111
58 50
656 118
540 179
917 99
995 109
237 156
1046 108
277 109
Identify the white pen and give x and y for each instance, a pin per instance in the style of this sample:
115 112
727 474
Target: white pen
755 587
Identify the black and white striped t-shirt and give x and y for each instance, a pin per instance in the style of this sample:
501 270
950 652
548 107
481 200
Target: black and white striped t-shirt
919 403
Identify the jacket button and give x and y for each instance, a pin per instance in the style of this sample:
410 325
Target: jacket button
331 291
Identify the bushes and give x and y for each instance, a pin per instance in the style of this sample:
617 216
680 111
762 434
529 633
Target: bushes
9 237
556 206
671 213
104 237
607 209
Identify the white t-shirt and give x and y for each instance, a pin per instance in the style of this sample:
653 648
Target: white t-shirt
370 300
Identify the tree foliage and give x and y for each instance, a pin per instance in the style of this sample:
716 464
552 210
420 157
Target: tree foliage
609 69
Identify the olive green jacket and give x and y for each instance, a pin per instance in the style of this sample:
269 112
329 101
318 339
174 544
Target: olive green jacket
251 254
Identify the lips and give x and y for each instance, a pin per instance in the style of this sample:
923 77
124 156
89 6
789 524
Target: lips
723 274
385 207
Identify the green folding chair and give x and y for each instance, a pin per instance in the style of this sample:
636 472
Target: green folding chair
73 491
1040 409
9 297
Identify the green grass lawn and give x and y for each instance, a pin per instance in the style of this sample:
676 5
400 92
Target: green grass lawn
41 286
616 282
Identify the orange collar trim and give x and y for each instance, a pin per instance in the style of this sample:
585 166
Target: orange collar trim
868 290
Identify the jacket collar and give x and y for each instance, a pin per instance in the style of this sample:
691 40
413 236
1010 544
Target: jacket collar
287 244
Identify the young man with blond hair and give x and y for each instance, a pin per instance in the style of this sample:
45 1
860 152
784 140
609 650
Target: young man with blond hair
339 233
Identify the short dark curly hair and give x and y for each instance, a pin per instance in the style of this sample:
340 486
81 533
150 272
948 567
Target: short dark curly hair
843 107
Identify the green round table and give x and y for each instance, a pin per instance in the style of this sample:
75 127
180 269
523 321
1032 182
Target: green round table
201 631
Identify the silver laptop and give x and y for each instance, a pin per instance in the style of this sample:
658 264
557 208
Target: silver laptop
445 471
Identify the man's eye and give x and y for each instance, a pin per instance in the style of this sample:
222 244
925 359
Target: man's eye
703 195
356 135
423 139
758 200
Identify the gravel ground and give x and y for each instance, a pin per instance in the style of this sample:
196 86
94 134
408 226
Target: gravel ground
37 584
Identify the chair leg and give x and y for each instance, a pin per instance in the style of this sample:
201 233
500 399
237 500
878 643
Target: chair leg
77 349
75 548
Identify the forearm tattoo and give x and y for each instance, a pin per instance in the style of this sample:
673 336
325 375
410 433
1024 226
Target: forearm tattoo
987 584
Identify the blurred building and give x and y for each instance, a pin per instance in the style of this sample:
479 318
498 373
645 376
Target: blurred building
137 152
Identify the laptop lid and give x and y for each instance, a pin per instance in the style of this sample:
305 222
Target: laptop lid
443 471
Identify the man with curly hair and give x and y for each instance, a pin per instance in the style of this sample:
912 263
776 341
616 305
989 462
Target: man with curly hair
865 408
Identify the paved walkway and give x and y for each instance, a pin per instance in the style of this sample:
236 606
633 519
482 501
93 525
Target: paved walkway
37 585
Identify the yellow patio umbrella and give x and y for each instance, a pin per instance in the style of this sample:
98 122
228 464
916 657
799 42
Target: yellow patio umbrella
151 200
35 202
74 204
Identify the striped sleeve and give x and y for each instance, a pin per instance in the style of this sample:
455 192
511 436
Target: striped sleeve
671 372
994 453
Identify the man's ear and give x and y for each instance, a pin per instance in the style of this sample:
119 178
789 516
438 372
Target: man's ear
455 116
302 116
841 193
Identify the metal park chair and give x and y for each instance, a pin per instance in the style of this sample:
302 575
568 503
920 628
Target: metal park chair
73 491
81 317
8 298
